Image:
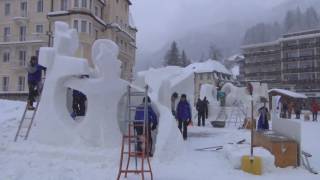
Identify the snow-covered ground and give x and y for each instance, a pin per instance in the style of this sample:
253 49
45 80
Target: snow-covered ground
26 160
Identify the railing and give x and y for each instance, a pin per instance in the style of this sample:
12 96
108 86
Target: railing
27 38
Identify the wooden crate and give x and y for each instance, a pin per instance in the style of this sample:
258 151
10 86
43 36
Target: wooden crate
284 149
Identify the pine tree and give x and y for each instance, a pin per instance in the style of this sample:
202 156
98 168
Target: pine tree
184 59
172 57
289 21
215 53
311 18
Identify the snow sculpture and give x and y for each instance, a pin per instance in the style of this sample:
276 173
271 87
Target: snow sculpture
54 123
169 142
240 95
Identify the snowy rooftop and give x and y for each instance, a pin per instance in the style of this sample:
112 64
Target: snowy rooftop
288 93
208 66
235 57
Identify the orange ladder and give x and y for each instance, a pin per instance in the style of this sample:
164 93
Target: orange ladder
131 139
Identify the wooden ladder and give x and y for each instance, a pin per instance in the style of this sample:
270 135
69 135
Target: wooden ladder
131 139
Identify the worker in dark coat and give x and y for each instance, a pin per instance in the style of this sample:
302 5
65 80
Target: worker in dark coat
184 115
34 80
263 123
206 107
200 106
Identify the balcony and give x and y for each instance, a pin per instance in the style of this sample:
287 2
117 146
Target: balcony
22 18
34 38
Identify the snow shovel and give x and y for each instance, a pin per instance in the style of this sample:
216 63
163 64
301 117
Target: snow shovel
251 164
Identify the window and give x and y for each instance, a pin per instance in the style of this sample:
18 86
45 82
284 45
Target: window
117 1
117 19
90 28
40 6
23 32
307 76
76 25
6 56
306 64
64 5
84 4
5 83
6 34
83 26
97 34
21 83
307 52
23 7
96 11
76 3
22 58
90 4
7 9
39 28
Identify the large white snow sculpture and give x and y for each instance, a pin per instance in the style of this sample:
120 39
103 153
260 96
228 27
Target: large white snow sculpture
103 91
100 126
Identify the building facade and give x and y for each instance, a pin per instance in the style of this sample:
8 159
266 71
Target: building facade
27 25
292 62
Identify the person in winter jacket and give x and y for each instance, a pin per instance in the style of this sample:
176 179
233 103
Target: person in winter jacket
78 103
206 107
314 110
174 98
200 106
297 109
151 125
183 115
34 80
263 123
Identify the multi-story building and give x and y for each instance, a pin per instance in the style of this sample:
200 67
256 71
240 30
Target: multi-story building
27 25
291 62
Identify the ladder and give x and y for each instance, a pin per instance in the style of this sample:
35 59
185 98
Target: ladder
306 163
26 121
130 139
237 114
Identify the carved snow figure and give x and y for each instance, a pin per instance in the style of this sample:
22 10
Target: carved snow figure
54 123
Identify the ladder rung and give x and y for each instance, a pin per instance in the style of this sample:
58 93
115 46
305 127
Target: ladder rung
134 171
137 94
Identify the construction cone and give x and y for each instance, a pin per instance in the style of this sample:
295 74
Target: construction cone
251 164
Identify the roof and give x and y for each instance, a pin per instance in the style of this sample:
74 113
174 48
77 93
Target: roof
288 93
208 66
235 57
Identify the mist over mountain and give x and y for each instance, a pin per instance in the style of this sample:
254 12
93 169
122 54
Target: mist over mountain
224 26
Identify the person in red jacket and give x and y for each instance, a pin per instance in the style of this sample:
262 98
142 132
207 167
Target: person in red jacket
314 109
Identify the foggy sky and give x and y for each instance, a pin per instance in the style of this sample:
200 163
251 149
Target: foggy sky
160 21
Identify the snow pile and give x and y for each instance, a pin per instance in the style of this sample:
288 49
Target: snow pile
234 154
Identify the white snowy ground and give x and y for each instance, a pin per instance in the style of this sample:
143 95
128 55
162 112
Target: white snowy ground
26 160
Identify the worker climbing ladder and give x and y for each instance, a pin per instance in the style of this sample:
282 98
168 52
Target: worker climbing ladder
26 121
130 140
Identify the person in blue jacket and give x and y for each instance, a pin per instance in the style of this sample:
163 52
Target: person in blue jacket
34 80
184 115
152 123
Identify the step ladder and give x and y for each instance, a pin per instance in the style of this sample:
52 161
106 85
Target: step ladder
130 139
26 121
306 163
237 114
